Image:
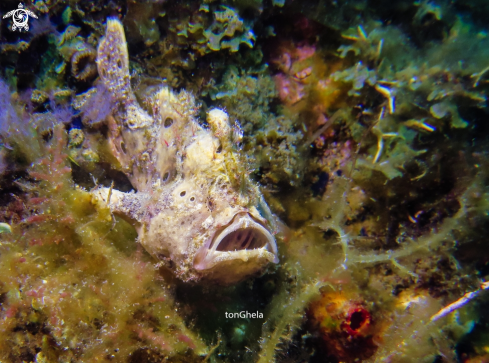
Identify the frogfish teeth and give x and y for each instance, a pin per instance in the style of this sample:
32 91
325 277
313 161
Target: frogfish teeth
195 208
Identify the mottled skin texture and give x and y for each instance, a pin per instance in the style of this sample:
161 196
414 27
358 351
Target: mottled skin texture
191 185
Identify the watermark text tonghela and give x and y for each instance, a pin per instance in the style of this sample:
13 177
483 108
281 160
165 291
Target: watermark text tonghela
244 315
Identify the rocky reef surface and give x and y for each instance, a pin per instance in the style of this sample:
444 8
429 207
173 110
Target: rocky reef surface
358 129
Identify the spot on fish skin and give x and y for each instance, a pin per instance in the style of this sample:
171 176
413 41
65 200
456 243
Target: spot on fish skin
210 204
168 122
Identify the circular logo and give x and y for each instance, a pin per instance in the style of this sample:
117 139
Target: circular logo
20 17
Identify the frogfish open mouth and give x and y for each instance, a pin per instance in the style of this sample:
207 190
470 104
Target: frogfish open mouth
244 237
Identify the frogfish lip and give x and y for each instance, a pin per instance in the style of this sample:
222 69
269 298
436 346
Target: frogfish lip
243 240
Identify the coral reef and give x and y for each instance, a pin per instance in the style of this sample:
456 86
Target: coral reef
345 140
226 31
272 137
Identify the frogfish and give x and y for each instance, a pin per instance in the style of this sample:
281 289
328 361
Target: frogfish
195 208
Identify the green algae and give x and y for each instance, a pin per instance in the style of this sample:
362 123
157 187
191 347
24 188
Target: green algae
226 31
75 272
273 142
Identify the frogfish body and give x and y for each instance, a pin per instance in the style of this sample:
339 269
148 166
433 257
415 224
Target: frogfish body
195 208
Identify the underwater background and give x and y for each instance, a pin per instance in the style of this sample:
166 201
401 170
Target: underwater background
366 126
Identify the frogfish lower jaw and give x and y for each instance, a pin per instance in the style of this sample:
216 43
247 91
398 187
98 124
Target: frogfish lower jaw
243 240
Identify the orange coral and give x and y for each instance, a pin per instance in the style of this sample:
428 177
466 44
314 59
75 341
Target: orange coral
345 325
